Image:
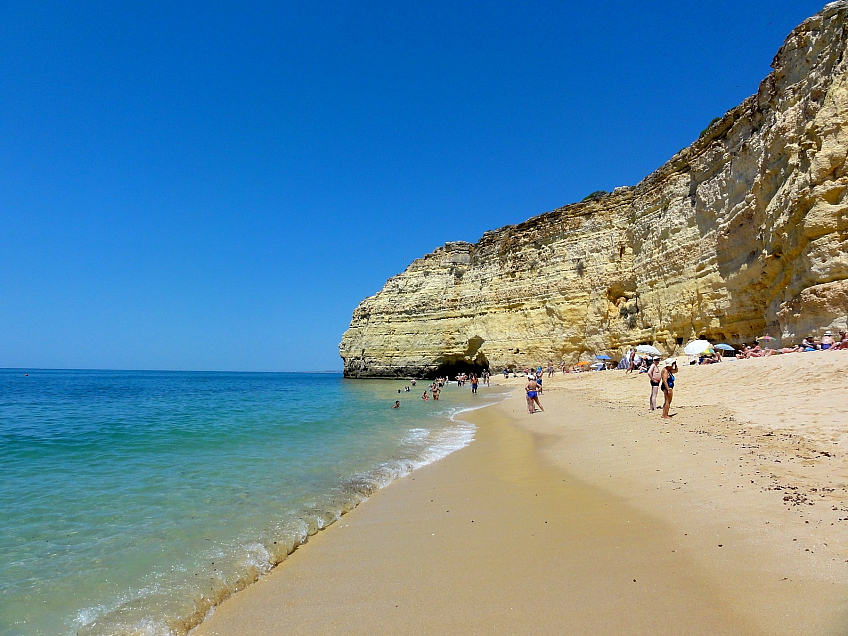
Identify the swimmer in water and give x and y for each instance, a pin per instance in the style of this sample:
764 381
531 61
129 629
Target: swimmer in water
397 404
425 396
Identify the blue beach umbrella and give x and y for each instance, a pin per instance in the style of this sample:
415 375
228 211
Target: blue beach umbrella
602 358
724 347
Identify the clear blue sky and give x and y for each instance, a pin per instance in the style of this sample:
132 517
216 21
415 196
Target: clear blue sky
216 185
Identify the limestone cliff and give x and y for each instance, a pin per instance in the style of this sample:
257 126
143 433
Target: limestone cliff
744 232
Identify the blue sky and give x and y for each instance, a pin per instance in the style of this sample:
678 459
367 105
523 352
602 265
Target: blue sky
217 185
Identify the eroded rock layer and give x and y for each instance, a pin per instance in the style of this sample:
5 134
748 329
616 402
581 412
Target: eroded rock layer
745 232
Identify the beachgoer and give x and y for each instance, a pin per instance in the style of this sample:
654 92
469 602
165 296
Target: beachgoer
655 376
667 384
631 360
550 368
531 389
474 383
562 367
412 381
827 340
425 396
842 343
397 404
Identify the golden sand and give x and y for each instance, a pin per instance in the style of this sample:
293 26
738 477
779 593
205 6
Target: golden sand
598 517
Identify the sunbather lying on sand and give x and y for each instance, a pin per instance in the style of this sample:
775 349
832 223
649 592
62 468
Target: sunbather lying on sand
750 352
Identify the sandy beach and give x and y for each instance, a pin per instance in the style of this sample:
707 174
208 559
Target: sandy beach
598 517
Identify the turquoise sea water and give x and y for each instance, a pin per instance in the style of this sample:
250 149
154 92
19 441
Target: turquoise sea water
133 502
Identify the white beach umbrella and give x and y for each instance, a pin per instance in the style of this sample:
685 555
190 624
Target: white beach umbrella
697 347
653 351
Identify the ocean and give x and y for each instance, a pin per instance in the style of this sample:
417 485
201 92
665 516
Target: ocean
134 502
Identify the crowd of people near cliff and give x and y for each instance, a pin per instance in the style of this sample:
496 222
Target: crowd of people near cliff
660 374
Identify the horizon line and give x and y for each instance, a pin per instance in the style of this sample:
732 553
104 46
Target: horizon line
326 371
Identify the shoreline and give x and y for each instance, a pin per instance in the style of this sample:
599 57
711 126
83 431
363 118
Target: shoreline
624 497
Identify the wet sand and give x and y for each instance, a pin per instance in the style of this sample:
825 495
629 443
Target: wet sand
594 517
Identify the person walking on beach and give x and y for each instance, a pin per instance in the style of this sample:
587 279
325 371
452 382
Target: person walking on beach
531 389
667 384
655 376
474 382
539 376
550 368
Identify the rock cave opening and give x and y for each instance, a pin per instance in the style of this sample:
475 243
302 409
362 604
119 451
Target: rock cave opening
452 368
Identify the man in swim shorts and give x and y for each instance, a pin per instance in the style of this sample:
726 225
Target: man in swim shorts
654 375
827 340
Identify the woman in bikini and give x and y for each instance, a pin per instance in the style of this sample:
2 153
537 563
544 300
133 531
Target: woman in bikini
531 389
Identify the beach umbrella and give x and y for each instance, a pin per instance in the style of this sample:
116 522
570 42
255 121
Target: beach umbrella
582 364
602 358
766 340
649 350
697 347
724 347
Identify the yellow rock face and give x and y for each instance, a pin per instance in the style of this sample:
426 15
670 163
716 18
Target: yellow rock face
743 233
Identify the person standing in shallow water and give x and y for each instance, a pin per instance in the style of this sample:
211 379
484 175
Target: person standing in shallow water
655 376
667 384
531 389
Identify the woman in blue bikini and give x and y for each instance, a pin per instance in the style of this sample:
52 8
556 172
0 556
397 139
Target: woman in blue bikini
667 384
532 391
